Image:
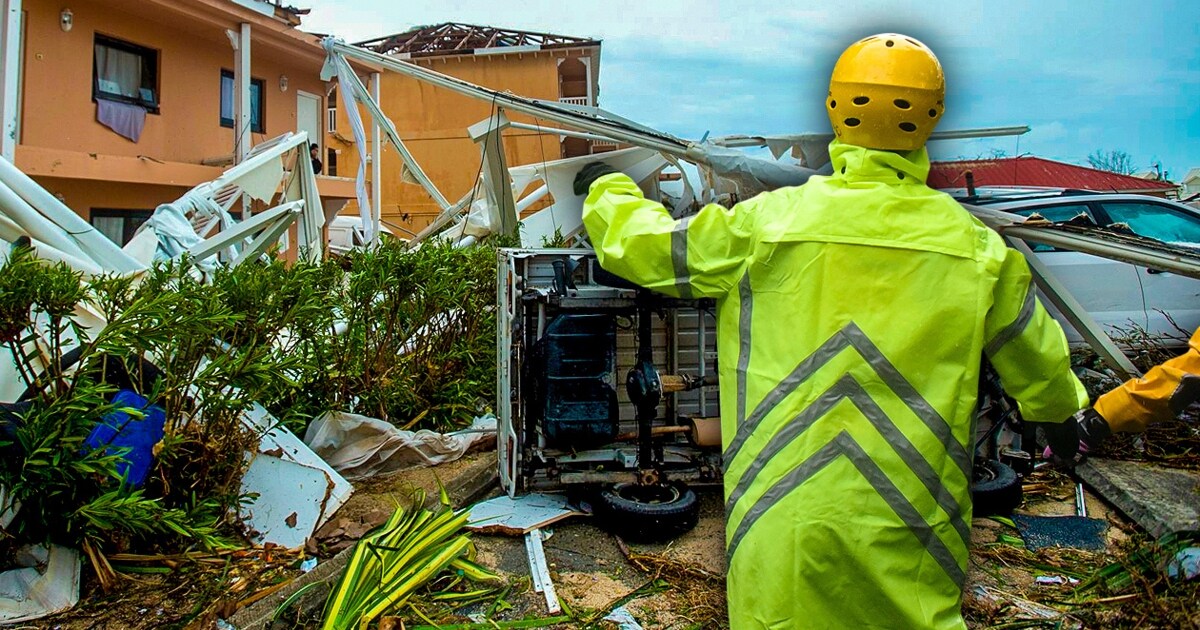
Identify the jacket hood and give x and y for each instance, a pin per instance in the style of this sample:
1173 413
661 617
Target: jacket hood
855 163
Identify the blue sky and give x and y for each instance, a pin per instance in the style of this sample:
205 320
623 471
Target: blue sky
1100 75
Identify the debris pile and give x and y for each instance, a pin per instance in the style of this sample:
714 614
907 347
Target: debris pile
154 411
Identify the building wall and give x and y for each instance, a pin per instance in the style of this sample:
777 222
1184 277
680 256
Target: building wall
83 196
433 123
58 110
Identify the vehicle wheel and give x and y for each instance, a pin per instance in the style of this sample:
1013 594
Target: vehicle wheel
648 513
995 489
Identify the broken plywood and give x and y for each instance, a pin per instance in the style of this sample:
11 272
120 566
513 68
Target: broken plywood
1162 500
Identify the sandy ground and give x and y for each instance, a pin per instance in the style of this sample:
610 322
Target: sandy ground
675 585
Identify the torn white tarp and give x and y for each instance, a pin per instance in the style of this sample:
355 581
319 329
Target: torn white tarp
359 446
45 581
352 91
753 175
349 98
566 214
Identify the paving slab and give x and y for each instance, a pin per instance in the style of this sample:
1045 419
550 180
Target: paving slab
1161 500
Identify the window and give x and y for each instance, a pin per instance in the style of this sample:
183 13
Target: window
331 162
1054 214
331 111
125 72
119 225
257 90
1157 221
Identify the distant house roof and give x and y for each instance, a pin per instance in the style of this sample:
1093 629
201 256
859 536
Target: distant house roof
1036 171
452 38
1192 175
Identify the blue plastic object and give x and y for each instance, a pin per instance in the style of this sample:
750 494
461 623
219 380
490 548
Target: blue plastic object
119 430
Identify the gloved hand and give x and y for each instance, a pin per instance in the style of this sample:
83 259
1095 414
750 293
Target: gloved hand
589 174
1062 441
1093 428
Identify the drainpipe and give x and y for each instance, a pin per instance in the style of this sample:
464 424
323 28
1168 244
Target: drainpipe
376 166
242 105
241 97
10 77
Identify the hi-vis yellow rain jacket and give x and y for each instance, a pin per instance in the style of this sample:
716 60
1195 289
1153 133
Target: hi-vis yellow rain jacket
852 315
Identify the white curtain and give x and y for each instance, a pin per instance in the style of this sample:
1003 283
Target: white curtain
118 71
112 227
226 97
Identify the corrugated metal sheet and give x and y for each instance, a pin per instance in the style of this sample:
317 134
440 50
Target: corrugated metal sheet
1035 171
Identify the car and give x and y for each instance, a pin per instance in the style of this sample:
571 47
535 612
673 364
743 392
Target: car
1119 296
605 391
346 233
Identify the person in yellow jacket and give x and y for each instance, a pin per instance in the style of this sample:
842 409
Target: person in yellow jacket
853 312
1161 394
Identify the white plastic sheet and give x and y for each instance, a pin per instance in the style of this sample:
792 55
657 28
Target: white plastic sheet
45 582
359 446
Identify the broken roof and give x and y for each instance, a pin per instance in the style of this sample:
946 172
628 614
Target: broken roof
453 38
1028 170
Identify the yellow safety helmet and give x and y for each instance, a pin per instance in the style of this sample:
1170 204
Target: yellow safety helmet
886 92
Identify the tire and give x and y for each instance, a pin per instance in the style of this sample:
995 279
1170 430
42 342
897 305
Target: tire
995 489
648 513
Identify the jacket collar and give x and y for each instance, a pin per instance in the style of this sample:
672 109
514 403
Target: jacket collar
853 163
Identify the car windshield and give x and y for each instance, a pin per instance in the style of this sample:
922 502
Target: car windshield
1156 221
1054 214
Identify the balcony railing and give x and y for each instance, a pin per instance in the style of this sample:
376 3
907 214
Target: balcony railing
574 100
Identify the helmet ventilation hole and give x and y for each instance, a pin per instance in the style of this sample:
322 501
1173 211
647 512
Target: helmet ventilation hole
890 43
852 122
902 104
933 113
907 126
833 105
912 41
861 100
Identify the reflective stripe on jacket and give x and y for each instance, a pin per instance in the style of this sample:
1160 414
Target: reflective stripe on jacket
852 315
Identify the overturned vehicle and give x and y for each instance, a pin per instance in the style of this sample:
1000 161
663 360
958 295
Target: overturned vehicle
610 389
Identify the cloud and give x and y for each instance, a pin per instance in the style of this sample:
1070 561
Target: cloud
1112 74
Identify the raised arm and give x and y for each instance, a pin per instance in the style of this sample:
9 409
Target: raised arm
703 255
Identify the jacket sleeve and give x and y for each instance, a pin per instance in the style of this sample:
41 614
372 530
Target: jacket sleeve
1028 348
1161 394
703 255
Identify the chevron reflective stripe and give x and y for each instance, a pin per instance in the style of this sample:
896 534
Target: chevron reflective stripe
679 258
1010 332
847 388
845 445
852 336
745 311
